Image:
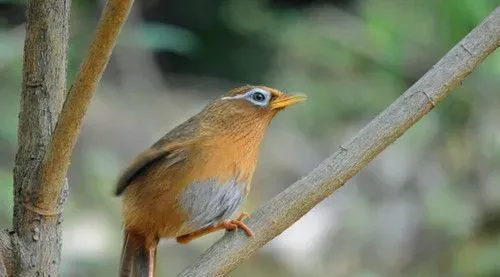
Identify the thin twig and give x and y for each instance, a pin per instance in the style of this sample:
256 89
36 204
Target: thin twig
57 158
290 205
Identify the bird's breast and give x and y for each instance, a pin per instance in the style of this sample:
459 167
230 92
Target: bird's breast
218 183
209 202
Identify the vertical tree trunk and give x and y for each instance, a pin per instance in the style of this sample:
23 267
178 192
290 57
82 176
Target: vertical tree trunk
37 247
48 131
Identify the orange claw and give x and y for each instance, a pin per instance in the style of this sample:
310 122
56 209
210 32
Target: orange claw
229 225
242 225
234 224
242 216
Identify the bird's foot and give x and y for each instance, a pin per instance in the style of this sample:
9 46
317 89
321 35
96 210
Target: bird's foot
234 224
229 225
242 216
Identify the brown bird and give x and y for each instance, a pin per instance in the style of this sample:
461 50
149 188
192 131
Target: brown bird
191 181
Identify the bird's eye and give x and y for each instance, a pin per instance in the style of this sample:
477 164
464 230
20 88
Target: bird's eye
258 97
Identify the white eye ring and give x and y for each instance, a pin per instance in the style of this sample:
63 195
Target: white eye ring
258 97
254 96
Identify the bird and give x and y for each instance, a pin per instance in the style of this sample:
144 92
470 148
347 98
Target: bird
193 179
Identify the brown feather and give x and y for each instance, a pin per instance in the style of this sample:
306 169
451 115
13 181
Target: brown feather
168 147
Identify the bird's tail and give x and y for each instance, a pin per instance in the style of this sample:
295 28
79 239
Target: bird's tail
136 259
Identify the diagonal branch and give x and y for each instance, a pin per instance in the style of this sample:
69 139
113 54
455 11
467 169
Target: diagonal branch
290 205
57 158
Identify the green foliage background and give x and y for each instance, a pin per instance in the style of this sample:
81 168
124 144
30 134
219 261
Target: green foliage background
428 206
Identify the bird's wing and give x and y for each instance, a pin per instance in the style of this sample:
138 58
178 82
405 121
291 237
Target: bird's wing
170 149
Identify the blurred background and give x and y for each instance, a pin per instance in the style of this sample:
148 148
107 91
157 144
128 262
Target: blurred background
428 206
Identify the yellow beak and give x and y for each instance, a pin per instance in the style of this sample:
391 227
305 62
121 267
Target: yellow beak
287 101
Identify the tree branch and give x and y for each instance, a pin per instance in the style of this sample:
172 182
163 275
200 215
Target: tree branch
44 146
290 205
6 253
57 158
44 86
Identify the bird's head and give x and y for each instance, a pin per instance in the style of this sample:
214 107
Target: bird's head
253 102
260 99
247 108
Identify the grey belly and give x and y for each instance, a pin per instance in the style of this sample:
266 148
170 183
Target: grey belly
207 203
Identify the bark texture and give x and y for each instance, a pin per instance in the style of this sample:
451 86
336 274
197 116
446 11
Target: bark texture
290 205
37 244
48 130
